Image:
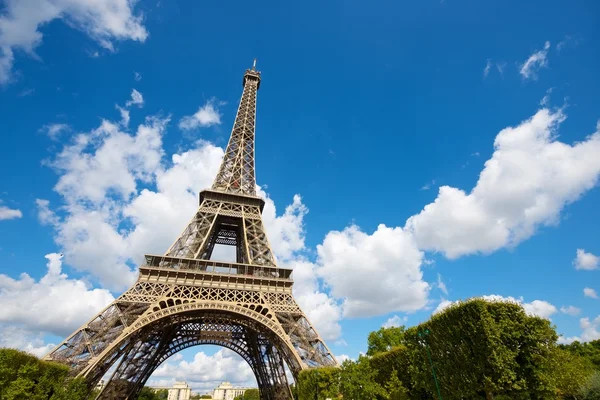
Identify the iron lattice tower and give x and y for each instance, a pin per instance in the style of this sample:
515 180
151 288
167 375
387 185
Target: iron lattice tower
183 298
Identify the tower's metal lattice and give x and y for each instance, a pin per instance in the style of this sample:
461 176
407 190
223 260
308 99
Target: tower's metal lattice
183 298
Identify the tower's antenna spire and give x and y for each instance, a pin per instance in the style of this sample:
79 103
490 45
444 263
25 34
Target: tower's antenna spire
254 64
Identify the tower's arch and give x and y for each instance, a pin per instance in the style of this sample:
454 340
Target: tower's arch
162 332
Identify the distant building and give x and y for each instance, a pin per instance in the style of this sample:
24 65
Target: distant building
180 391
226 391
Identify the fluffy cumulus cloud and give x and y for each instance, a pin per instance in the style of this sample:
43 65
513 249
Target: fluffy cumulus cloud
99 176
589 292
15 337
537 60
136 99
322 311
590 330
585 260
570 310
54 130
205 372
54 304
537 308
207 115
373 274
103 21
9 213
527 182
394 321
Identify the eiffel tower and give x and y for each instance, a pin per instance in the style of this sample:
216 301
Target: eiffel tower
183 298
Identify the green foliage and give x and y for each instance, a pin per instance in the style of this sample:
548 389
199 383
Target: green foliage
591 389
357 380
318 383
395 388
570 373
384 340
250 394
151 394
163 394
481 349
396 361
25 377
589 351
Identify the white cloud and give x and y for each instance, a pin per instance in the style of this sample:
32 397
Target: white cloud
394 321
443 305
535 61
488 66
561 45
45 214
286 232
546 99
99 174
441 285
590 331
14 337
500 67
103 21
570 310
586 261
322 311
342 357
527 182
124 116
589 292
54 304
9 213
54 130
136 99
428 186
137 76
207 115
205 372
373 274
539 308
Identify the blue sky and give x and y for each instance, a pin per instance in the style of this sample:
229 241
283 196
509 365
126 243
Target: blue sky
367 111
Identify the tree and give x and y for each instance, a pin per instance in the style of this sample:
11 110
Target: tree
250 394
591 389
357 380
24 376
318 383
590 351
385 339
571 373
148 394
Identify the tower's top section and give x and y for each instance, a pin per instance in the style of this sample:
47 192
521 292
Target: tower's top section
252 74
236 174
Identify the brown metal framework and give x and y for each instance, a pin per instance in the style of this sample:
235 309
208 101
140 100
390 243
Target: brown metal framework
183 298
